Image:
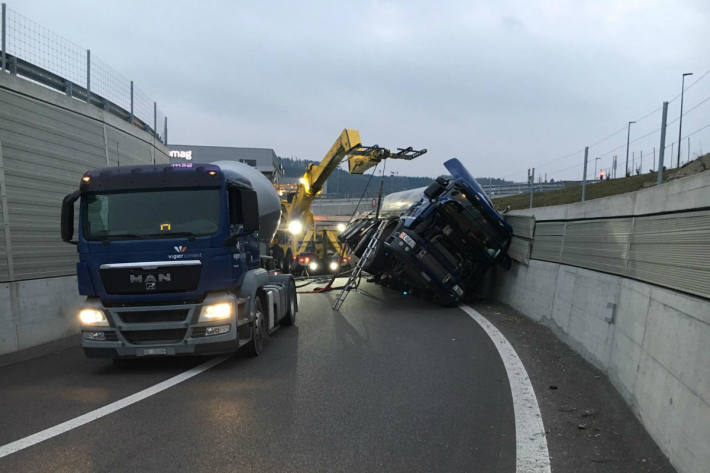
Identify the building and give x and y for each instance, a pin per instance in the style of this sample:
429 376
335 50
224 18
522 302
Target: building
264 159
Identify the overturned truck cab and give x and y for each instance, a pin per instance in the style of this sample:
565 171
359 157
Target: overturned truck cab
170 260
438 241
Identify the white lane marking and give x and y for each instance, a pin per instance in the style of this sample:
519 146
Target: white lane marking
59 429
531 455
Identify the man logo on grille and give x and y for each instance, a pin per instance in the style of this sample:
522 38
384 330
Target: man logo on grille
180 249
150 278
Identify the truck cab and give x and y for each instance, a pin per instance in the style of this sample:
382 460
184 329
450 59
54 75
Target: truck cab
170 260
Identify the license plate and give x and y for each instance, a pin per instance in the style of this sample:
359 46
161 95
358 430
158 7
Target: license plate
154 351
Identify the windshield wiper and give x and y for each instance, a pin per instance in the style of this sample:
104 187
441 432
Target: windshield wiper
105 239
190 236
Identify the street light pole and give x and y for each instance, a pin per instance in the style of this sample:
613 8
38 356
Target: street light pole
628 135
680 119
595 166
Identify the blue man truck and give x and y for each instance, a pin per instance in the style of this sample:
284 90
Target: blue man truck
171 260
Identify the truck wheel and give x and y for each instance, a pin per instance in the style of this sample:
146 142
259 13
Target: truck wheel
290 317
258 330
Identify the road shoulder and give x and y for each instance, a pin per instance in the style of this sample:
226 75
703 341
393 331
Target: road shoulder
589 427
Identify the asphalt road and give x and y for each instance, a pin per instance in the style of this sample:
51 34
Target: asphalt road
389 384
383 386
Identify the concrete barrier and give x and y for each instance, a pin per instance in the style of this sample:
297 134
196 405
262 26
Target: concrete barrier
652 342
37 311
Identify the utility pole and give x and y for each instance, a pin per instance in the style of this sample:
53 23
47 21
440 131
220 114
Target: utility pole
595 166
3 15
88 76
680 119
654 159
672 153
662 148
641 163
584 173
688 149
628 136
531 184
633 162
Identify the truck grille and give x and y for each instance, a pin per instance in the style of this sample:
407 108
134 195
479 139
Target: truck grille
147 337
162 279
150 316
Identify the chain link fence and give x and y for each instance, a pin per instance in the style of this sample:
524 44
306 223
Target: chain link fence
37 53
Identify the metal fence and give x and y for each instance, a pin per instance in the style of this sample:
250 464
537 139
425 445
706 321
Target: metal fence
29 49
670 250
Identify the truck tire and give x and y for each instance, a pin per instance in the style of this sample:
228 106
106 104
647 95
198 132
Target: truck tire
290 317
258 330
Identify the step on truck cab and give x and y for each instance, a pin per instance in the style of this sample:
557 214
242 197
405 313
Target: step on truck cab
171 260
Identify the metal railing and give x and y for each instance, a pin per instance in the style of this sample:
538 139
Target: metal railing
30 50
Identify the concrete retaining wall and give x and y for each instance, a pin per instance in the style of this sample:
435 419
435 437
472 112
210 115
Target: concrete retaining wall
652 342
37 311
47 141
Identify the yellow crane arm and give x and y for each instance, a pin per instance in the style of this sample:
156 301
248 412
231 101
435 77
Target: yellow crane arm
360 158
312 182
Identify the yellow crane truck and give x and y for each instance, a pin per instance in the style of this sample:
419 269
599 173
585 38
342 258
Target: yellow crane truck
299 245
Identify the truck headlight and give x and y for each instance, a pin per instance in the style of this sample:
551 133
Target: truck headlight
219 311
93 317
340 227
333 266
313 266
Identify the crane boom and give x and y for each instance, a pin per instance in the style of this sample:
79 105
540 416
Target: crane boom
360 159
312 182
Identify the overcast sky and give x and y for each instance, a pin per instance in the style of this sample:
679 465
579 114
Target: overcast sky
503 85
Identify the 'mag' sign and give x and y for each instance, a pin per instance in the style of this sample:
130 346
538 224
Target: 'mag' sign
182 154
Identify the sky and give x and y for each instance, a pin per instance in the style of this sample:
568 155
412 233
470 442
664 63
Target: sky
503 85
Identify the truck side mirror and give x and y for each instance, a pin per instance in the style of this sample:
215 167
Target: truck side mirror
235 206
250 211
244 209
68 216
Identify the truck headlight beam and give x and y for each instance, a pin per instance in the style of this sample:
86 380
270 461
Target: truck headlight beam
218 311
93 317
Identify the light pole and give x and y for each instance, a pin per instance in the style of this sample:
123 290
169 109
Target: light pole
595 166
628 135
680 119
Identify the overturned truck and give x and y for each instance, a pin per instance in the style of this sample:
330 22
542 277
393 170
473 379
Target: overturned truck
436 242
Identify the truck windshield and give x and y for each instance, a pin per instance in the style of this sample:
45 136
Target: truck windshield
151 214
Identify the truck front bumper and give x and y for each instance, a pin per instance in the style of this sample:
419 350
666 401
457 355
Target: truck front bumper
162 330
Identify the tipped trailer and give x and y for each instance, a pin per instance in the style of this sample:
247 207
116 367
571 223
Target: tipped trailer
437 241
172 257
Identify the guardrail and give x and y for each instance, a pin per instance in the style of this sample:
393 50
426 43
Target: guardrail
30 50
